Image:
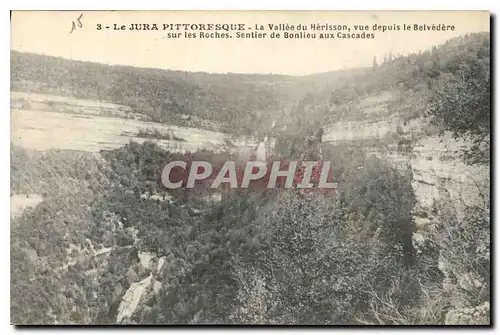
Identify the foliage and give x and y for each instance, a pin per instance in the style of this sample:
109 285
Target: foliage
165 96
251 257
290 258
462 104
402 85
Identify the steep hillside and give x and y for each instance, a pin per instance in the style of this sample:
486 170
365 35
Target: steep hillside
165 96
405 240
399 86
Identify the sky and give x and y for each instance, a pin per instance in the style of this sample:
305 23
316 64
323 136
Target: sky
48 32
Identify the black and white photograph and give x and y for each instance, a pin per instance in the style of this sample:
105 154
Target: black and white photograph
250 168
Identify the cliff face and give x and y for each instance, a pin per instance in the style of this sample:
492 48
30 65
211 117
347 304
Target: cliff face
444 186
104 244
439 172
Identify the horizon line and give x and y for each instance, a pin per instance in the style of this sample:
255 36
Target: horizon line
242 73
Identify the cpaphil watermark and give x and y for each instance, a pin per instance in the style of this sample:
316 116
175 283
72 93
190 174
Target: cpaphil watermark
306 175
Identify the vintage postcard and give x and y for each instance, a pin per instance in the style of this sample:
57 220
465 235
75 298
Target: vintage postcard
250 167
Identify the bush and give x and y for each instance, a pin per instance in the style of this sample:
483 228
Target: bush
462 105
287 258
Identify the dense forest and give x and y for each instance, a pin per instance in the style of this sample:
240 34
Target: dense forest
253 257
413 80
164 96
241 103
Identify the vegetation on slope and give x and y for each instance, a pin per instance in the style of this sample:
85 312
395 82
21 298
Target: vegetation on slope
406 86
247 259
241 103
165 96
462 105
256 258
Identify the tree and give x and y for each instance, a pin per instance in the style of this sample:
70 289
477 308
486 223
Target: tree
375 65
462 106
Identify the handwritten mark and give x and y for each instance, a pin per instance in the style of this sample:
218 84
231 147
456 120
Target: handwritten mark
79 23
